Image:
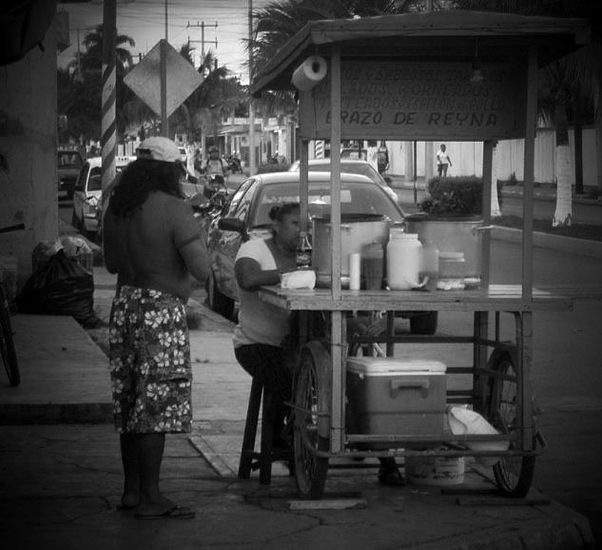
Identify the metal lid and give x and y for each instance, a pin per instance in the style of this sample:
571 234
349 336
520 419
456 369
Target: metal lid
389 366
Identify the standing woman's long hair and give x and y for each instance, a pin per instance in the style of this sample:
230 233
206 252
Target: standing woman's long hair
140 178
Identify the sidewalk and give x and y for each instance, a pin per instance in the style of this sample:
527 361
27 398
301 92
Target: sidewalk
62 475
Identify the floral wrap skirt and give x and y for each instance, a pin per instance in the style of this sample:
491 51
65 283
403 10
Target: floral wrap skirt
151 375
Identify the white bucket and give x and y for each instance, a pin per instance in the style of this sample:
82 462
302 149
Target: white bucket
434 470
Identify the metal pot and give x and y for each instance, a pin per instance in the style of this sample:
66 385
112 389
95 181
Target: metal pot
452 234
357 231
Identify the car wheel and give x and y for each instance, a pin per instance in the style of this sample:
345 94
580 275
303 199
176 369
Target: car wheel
216 300
424 323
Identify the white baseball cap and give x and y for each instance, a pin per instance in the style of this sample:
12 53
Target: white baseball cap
158 148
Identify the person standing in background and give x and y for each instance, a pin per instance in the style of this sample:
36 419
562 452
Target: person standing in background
372 154
443 161
154 244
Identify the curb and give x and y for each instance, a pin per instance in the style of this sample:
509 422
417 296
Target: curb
567 245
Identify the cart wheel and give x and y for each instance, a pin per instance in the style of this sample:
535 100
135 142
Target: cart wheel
513 474
312 420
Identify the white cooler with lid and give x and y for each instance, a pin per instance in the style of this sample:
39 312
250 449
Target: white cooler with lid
395 396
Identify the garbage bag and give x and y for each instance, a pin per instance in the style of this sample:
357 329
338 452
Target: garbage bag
61 287
42 253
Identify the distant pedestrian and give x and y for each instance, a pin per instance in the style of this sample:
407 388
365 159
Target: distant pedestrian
382 158
215 164
443 161
153 242
372 154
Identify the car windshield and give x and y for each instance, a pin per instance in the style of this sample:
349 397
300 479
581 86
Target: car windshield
95 181
69 159
356 198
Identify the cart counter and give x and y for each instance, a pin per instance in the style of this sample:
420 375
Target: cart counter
492 298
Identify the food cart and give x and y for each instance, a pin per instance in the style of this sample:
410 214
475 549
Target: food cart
445 76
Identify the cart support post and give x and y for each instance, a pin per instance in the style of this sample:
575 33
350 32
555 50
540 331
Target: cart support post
525 405
337 428
303 183
488 146
531 122
480 332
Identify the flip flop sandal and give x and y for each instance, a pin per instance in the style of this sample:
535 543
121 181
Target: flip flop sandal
177 512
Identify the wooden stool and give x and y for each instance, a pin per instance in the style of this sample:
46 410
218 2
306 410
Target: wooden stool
249 458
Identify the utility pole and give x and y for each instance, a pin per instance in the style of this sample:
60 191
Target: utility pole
79 58
163 69
251 102
201 25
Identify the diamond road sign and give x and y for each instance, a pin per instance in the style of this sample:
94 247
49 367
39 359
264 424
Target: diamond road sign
145 79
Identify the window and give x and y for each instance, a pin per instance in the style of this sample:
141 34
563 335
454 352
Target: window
95 181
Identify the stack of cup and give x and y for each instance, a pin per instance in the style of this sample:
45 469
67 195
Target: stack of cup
373 265
354 270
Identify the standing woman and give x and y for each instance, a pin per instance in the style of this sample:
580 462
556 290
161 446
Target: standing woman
153 243
262 327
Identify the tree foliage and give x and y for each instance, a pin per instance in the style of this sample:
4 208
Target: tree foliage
80 86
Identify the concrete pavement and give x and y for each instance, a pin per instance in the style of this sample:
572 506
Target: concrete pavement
61 475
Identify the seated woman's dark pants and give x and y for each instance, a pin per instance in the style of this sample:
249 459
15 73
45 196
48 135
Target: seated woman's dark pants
268 364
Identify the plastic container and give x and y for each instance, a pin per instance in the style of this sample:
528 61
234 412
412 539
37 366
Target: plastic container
394 396
404 260
463 420
434 470
452 270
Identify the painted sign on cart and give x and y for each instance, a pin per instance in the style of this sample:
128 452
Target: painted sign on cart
424 100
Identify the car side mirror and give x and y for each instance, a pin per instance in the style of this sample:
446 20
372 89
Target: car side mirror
192 179
232 224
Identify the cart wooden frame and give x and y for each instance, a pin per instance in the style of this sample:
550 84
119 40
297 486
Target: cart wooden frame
408 77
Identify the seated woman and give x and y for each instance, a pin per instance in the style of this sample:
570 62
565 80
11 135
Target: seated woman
262 327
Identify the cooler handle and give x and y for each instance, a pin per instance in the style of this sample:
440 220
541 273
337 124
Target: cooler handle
399 383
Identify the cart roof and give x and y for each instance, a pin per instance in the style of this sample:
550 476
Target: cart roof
438 35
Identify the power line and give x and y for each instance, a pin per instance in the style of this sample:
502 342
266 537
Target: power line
202 40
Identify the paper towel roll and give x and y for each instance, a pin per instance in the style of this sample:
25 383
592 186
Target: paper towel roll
354 271
309 73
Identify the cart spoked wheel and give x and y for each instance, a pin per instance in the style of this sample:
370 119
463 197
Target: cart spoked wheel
513 474
312 420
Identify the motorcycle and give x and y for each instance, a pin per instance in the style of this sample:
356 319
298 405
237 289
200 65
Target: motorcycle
209 204
214 183
234 164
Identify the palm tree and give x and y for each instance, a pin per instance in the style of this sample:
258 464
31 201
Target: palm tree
82 101
280 20
572 86
219 94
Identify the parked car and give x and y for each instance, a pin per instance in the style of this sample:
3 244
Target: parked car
356 154
68 165
349 166
87 194
245 216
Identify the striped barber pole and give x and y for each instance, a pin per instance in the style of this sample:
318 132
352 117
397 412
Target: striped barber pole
108 138
108 127
319 149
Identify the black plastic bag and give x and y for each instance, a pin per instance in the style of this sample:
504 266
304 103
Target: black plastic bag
61 287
